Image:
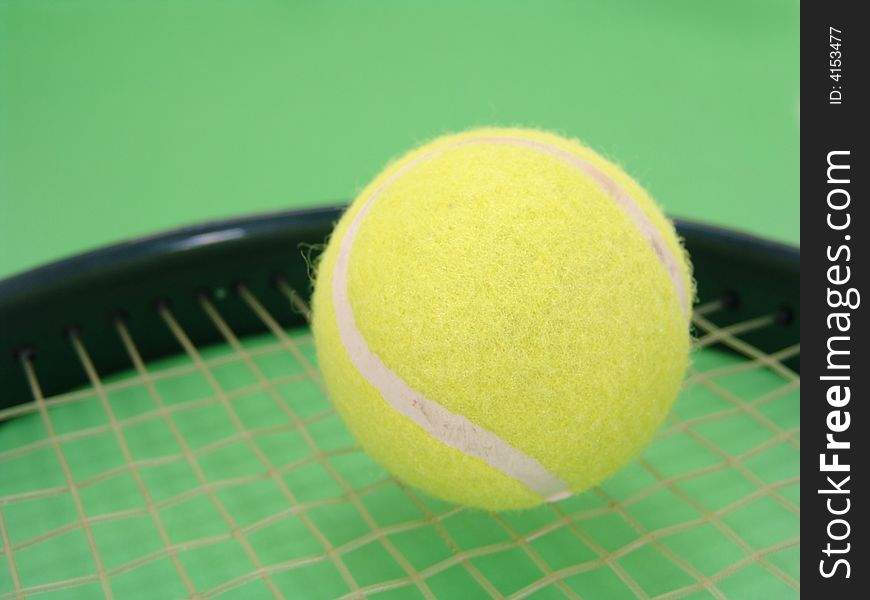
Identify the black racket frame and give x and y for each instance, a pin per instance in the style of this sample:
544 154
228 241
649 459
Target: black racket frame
39 308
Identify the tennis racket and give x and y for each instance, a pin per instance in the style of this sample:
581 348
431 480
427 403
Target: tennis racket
164 433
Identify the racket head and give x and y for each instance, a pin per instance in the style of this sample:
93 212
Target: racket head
166 433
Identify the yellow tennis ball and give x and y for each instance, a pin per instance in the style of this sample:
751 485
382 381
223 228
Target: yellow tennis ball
502 318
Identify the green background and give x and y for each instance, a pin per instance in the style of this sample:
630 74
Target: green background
121 118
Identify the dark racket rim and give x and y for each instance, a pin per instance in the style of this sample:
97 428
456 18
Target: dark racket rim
38 308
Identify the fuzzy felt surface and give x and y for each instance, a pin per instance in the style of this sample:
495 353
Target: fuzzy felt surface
508 287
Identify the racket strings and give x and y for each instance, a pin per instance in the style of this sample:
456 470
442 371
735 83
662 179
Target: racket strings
683 518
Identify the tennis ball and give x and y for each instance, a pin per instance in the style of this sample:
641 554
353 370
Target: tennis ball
502 318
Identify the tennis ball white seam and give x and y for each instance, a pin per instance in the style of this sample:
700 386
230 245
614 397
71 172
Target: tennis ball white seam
449 428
